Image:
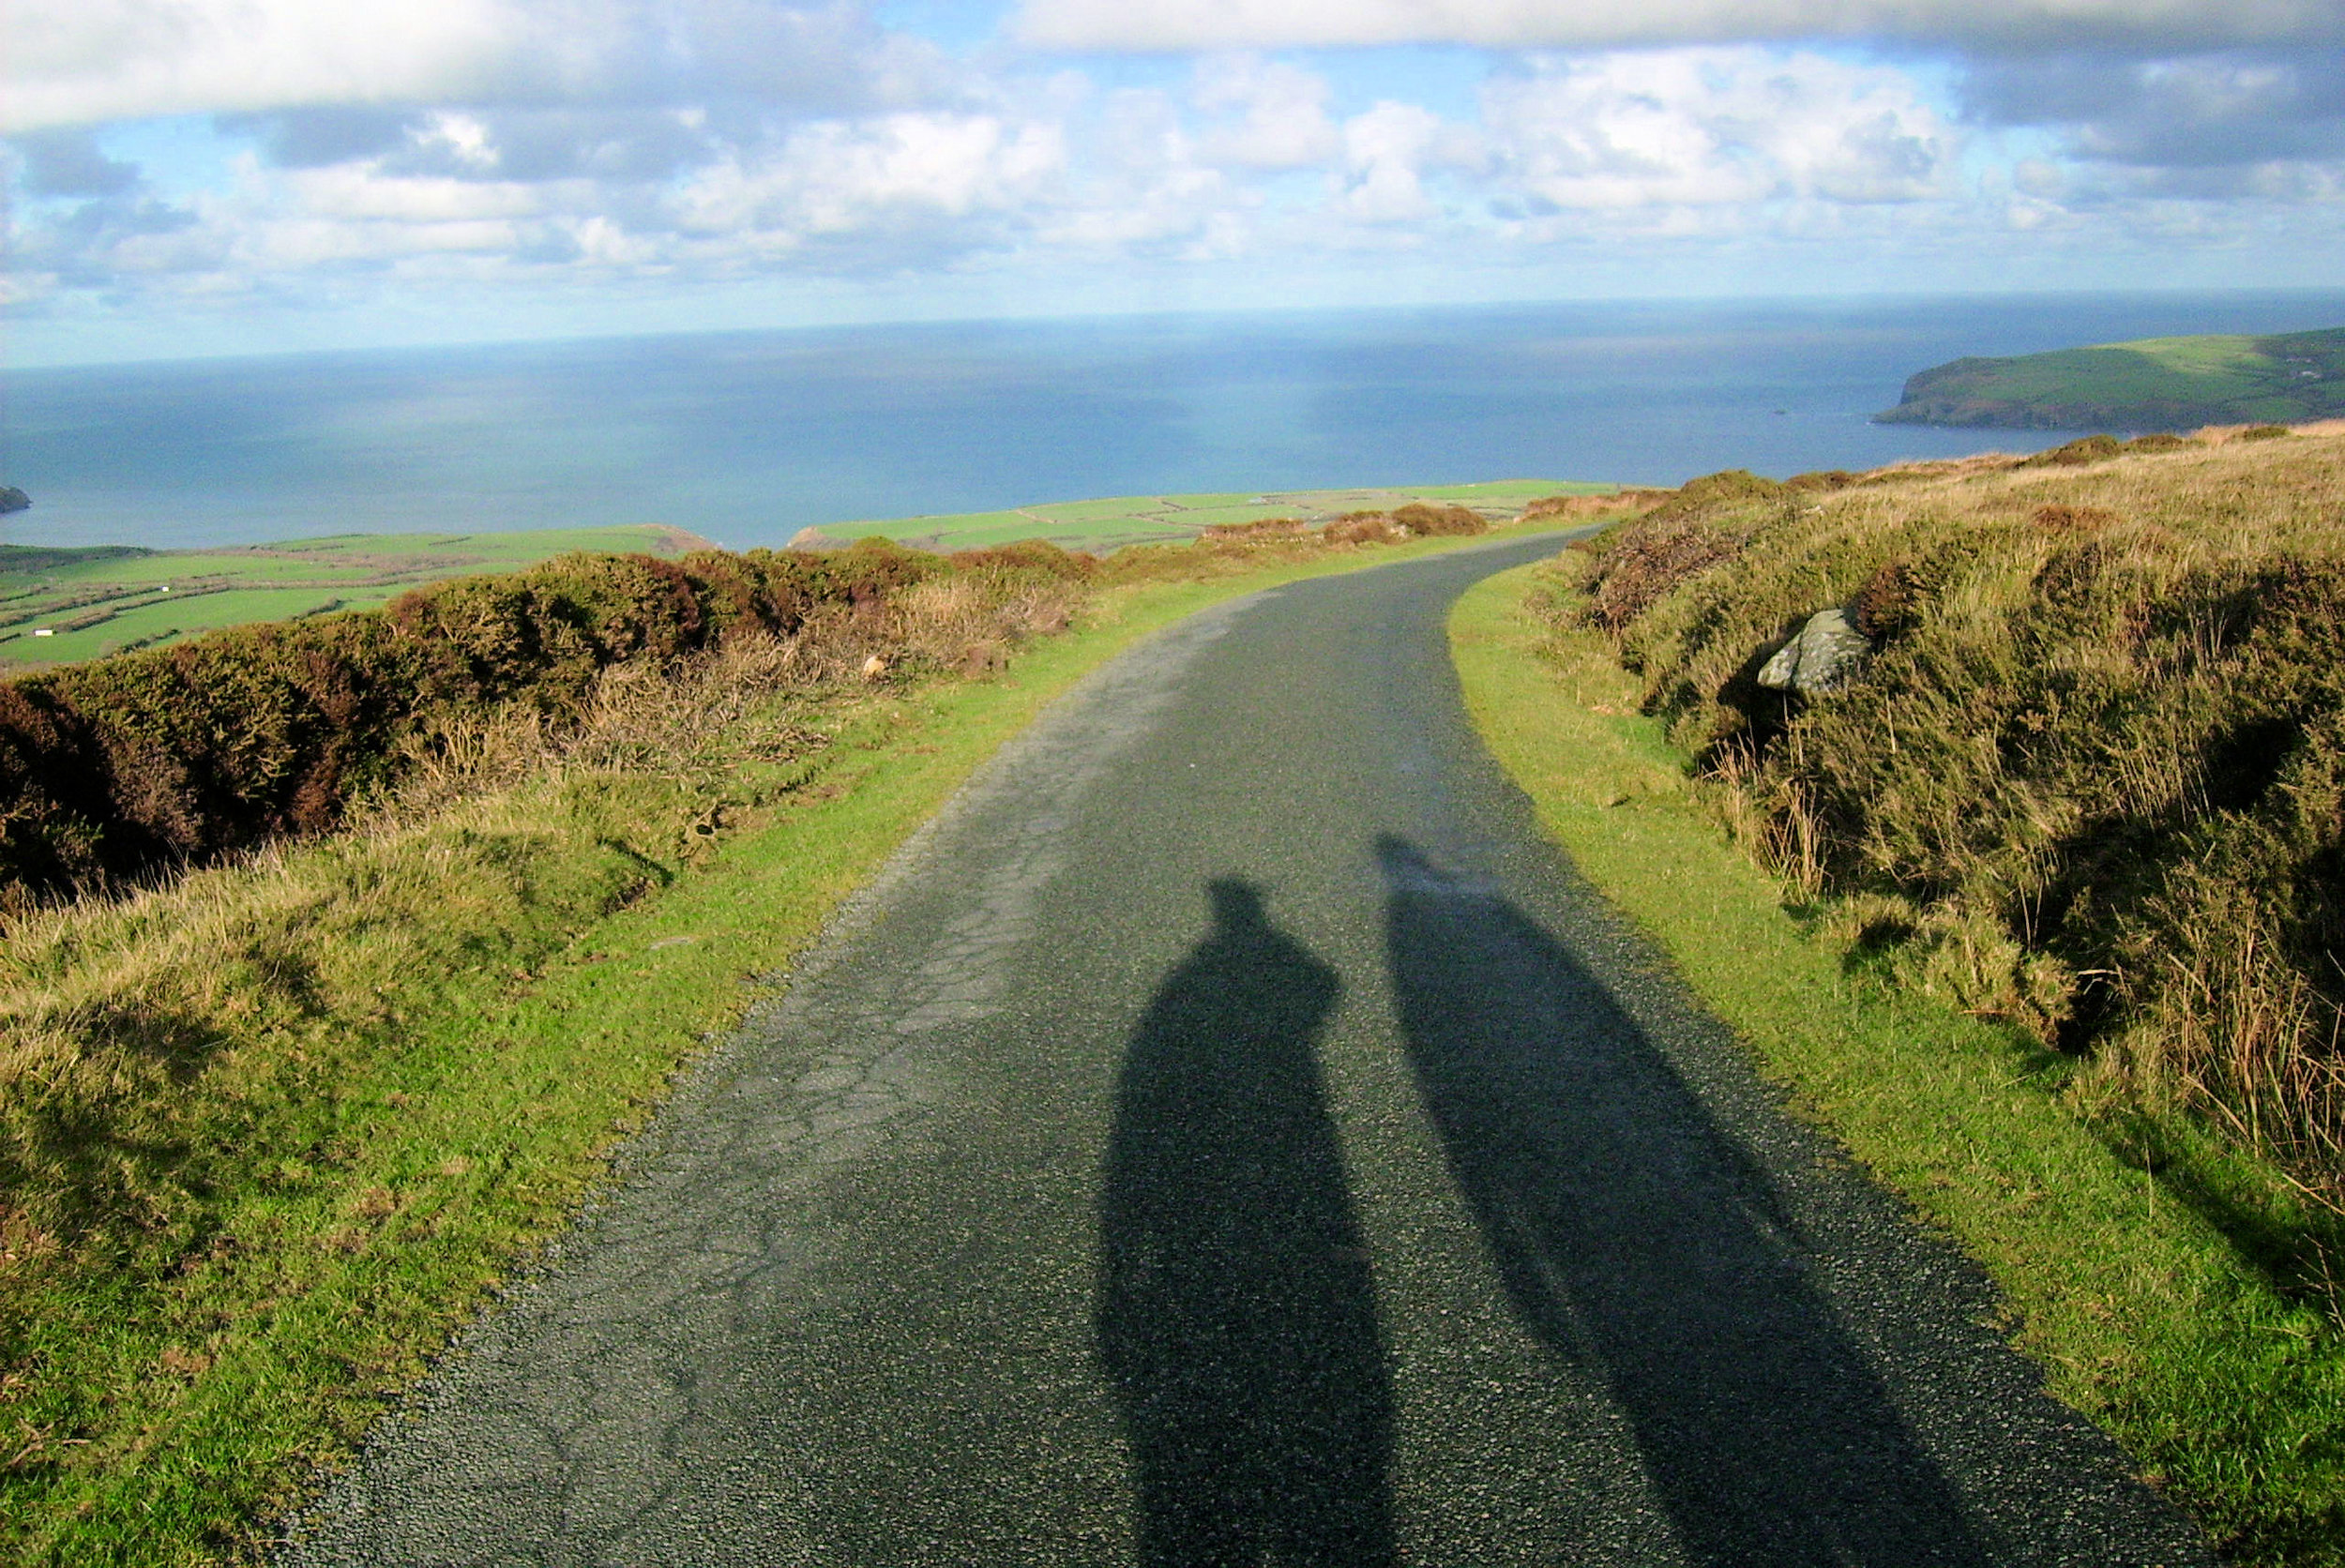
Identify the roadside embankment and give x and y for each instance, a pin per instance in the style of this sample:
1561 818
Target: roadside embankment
270 1128
2086 771
2044 916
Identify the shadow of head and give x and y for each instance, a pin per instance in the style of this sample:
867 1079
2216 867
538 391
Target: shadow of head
1238 906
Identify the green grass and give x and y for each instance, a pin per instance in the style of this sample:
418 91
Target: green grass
2144 1313
402 1055
1115 522
2153 383
136 598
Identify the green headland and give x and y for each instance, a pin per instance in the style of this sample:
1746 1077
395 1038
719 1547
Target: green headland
2157 383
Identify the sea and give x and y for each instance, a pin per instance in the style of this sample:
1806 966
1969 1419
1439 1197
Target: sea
746 437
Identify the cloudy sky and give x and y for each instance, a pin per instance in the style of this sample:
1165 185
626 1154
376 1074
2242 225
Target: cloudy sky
231 175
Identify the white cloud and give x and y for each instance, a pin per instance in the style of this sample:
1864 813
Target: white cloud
83 62
1386 152
1239 24
836 177
1710 128
1270 114
350 191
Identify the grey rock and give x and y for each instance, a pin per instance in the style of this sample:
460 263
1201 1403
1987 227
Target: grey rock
1826 652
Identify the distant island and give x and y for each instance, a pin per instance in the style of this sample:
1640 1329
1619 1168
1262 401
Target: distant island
2157 384
13 500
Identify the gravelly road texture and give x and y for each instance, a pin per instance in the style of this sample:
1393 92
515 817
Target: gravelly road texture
1231 1135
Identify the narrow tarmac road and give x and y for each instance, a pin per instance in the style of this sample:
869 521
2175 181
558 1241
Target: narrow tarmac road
1231 1135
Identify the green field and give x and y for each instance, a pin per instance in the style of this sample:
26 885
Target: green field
62 606
1111 523
2154 383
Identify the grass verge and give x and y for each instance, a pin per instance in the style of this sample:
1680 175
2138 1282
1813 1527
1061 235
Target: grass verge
2147 1317
448 1021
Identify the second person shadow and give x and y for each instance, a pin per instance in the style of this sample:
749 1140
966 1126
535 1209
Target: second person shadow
1235 1313
1638 1241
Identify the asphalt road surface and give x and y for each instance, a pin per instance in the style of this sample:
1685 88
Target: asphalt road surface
1231 1135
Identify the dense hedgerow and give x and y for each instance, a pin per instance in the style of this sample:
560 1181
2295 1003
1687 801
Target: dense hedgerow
2092 778
116 768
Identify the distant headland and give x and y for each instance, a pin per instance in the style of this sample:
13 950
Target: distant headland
2157 383
13 500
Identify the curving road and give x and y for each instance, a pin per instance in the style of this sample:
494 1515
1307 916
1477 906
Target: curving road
1231 1135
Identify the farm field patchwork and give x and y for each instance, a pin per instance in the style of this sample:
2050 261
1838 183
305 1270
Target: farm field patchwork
61 606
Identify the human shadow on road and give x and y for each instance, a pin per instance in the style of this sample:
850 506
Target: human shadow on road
1236 1316
1635 1238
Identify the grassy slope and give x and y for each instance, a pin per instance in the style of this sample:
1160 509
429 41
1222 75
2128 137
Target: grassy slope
2230 1397
161 1420
150 597
2153 382
1115 522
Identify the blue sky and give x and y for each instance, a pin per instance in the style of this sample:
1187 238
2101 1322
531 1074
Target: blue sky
204 177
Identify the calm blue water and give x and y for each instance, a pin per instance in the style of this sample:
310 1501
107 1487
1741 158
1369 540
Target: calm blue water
748 437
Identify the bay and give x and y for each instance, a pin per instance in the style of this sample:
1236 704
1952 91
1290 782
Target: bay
746 437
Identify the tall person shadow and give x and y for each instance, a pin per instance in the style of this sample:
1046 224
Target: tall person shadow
1236 1316
1636 1240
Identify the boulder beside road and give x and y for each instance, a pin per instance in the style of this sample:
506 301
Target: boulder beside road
1826 652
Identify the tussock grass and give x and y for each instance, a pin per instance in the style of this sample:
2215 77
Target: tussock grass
2091 782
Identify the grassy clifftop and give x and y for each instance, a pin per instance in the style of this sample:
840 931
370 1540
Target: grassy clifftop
2157 383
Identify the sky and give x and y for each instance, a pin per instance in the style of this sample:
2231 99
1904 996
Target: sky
193 178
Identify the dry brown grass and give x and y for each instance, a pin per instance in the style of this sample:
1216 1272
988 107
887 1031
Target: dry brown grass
2093 780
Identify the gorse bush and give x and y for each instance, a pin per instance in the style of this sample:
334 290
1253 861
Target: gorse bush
2092 776
1423 522
120 767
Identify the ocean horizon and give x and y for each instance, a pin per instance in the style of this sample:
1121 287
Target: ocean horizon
746 437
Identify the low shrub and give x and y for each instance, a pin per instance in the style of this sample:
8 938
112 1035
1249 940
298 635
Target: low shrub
1363 528
2074 454
1260 529
1425 521
1730 487
123 767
